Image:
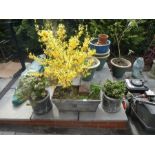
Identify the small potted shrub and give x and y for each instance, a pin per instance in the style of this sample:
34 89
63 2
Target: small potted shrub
120 64
113 92
33 88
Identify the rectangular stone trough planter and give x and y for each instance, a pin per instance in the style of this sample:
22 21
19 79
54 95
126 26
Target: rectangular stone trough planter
76 105
82 105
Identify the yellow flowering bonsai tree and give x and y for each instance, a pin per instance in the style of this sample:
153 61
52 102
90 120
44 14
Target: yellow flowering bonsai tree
65 56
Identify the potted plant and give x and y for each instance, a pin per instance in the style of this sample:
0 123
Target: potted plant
113 92
67 57
91 69
32 87
120 64
77 98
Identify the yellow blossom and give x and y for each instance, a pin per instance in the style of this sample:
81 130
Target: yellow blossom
65 58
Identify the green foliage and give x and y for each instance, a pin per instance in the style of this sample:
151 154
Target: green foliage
137 38
114 89
95 90
27 36
31 87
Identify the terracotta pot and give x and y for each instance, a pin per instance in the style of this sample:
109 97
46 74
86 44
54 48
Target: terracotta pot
102 38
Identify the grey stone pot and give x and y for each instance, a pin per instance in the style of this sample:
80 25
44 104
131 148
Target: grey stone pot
111 105
76 105
83 105
42 106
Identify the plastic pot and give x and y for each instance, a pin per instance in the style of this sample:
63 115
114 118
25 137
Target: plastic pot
99 48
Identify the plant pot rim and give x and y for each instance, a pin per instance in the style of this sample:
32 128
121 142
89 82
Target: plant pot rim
83 100
38 101
108 43
110 98
103 34
96 65
102 54
119 66
103 57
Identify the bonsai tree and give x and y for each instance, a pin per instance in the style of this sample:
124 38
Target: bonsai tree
119 64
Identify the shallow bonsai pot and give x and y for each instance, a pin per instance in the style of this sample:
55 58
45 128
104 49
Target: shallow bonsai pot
99 48
111 105
119 70
92 70
102 61
42 106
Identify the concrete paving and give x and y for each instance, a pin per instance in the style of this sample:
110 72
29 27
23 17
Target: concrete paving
8 111
101 115
4 82
25 112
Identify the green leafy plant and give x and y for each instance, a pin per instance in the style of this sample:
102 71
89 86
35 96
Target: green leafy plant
114 89
32 87
27 36
119 32
95 90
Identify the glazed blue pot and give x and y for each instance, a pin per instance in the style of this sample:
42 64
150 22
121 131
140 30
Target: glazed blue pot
99 48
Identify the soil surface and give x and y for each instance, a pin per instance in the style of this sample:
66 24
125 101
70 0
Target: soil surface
120 62
72 93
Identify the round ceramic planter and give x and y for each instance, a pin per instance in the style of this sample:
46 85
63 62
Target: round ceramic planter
91 70
99 48
111 105
42 106
102 54
118 70
102 61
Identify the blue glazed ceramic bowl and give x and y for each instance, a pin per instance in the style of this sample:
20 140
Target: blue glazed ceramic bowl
99 48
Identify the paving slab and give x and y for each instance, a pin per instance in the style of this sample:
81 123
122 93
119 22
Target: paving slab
54 114
150 81
8 111
101 115
4 82
14 86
